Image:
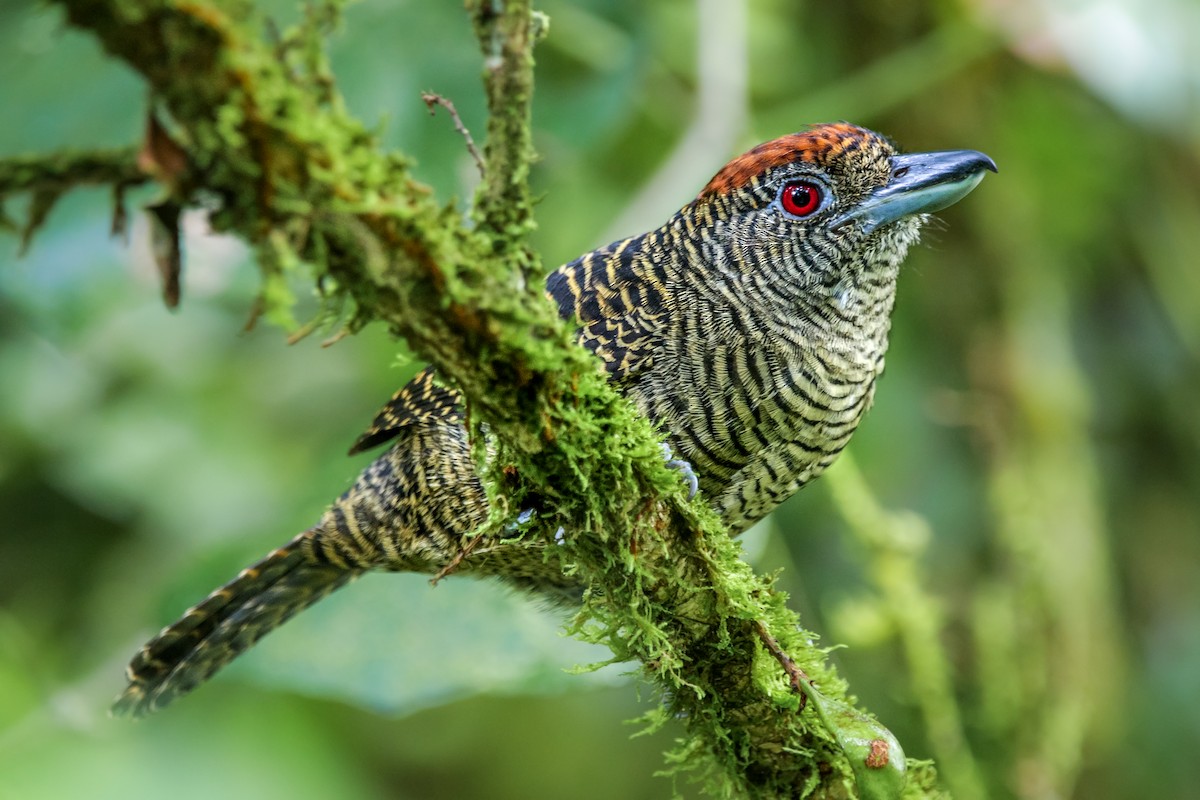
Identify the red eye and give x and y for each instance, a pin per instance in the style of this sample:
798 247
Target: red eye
800 198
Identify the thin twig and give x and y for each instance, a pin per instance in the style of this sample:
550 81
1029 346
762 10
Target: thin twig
459 557
795 675
66 170
337 337
431 100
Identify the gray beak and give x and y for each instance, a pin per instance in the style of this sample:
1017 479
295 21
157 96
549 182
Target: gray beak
921 183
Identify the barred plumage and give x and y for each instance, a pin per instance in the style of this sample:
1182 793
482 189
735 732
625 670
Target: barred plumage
751 334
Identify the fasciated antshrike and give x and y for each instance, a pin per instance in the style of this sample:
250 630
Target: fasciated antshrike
750 327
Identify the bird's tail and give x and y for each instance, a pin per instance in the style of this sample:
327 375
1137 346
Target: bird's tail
231 619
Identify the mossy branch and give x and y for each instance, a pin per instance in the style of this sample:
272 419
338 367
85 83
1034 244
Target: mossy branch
47 178
265 133
63 171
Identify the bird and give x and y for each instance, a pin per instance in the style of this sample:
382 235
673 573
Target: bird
750 328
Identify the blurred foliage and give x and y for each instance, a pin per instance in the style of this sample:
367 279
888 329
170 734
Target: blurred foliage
1019 598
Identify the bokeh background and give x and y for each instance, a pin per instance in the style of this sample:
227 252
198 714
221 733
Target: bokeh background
1010 557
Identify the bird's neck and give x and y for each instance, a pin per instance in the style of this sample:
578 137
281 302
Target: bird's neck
756 297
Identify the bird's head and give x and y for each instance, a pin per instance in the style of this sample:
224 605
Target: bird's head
832 201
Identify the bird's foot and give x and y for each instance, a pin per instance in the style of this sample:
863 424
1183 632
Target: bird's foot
527 516
683 467
680 465
517 526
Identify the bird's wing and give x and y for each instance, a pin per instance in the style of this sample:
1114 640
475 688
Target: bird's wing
616 294
422 401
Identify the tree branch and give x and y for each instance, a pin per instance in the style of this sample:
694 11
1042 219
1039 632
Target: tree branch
48 177
264 131
63 171
502 204
430 99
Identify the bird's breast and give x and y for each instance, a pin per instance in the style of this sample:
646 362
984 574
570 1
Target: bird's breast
753 414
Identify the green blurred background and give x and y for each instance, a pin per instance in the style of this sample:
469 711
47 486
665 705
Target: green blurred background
1026 610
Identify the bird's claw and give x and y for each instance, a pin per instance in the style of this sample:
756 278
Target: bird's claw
684 468
680 465
524 518
527 516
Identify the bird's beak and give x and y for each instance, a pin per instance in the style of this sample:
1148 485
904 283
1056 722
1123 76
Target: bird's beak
921 183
